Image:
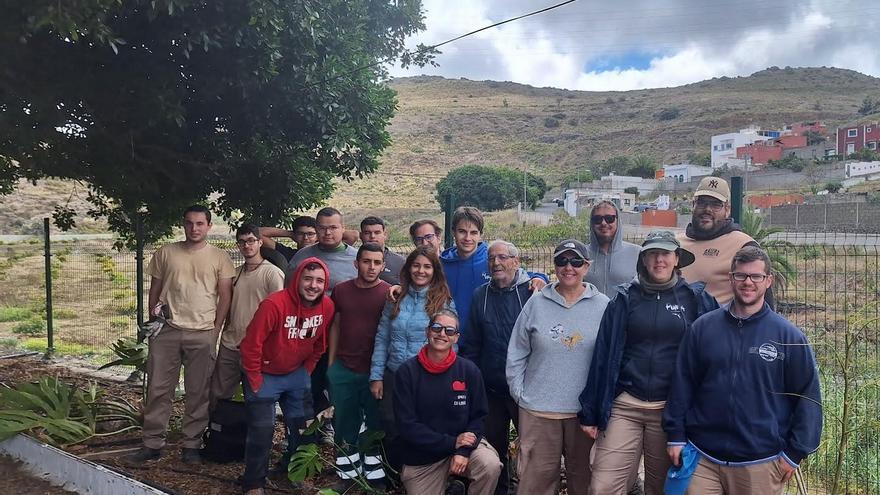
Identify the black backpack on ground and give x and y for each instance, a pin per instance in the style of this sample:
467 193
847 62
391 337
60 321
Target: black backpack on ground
227 432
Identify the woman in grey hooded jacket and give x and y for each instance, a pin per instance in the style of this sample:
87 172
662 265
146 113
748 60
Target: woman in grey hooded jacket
548 359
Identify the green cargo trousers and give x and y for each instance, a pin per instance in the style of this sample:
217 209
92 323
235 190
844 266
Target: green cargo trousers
353 406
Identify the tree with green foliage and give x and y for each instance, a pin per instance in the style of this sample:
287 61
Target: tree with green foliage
489 188
632 190
156 104
703 159
865 155
869 106
575 177
781 267
642 166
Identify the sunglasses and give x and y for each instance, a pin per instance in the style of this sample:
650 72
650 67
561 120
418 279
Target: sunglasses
437 328
574 262
597 219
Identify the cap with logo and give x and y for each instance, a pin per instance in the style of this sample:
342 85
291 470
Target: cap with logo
715 187
572 245
665 240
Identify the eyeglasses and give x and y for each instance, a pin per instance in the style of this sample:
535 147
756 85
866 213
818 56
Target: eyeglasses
597 219
246 242
574 262
325 228
709 204
755 277
305 234
437 328
423 239
500 257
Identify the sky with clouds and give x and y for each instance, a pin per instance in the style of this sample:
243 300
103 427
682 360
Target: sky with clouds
633 44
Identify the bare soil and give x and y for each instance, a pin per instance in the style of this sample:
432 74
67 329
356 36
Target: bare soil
167 473
16 480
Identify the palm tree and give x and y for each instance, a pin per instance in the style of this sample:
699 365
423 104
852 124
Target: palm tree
781 268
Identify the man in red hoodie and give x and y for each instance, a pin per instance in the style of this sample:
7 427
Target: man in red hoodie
283 343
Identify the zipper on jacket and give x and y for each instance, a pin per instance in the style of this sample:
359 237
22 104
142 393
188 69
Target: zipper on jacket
734 365
653 346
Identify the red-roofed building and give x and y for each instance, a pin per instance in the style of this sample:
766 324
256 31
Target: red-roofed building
762 152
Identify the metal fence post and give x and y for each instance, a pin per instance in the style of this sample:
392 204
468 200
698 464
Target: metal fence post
736 198
47 253
139 267
447 220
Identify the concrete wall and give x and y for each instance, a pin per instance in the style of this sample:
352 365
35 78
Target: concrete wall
831 217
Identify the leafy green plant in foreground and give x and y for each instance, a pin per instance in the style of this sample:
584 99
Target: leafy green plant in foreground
61 414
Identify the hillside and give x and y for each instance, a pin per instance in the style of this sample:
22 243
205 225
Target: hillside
443 123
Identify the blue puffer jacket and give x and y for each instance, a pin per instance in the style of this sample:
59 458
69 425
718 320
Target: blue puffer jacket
401 338
492 315
602 385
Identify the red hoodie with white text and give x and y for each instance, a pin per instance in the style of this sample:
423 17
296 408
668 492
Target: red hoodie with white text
285 333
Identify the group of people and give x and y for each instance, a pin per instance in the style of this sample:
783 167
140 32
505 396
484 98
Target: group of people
668 352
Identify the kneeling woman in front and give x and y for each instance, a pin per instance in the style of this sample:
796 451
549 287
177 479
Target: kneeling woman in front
440 405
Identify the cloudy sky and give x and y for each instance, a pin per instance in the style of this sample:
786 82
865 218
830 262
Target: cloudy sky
632 44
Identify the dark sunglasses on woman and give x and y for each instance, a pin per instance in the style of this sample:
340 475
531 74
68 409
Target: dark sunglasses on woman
574 262
437 328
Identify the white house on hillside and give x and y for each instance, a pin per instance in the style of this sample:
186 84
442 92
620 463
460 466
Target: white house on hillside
724 145
685 172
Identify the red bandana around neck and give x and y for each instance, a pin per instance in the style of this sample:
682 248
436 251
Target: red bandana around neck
431 366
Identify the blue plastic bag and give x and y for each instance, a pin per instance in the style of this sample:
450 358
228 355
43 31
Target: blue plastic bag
678 478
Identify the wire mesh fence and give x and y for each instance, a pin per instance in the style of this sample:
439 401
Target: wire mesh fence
831 292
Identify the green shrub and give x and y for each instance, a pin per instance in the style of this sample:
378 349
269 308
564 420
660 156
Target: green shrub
668 114
119 322
12 313
64 314
31 326
550 123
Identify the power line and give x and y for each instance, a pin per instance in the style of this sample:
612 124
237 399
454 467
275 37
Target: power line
428 49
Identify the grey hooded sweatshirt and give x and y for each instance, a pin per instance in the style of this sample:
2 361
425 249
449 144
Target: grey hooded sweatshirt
618 266
550 349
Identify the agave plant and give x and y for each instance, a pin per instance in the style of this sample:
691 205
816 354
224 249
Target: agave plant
130 352
59 413
781 267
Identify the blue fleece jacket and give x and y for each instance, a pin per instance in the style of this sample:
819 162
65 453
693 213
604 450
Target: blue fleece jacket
431 410
464 276
603 384
492 315
400 338
745 390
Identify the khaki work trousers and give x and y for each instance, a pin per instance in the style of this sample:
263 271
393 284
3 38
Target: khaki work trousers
482 470
542 443
756 479
227 375
195 349
631 431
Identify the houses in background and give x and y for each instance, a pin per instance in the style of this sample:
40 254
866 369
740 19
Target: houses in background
853 139
756 146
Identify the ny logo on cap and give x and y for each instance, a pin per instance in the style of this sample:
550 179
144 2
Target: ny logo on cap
569 244
713 184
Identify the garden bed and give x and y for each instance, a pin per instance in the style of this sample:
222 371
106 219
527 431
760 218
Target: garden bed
168 473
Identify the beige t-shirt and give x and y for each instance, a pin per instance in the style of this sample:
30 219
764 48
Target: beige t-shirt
250 288
189 282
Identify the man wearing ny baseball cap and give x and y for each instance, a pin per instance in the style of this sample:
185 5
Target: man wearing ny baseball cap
714 238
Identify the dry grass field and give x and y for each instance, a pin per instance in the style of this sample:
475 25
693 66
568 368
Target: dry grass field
444 123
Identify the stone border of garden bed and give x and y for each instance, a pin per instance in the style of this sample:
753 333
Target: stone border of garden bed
71 472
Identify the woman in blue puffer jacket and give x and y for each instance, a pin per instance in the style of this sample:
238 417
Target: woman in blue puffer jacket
401 332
